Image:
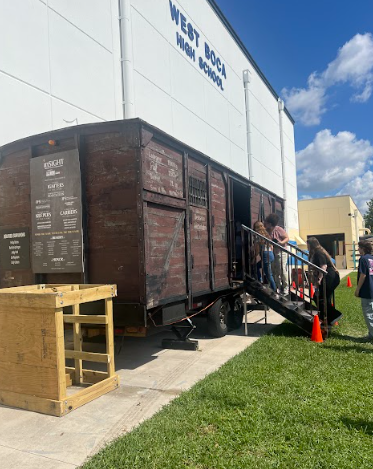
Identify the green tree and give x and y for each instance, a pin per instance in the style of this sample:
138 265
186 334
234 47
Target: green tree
368 217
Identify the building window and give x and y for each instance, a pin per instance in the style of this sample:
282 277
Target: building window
197 192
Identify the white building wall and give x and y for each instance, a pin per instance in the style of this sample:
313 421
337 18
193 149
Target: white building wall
59 61
173 93
197 112
60 65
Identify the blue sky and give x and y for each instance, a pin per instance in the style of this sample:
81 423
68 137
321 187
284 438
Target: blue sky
318 56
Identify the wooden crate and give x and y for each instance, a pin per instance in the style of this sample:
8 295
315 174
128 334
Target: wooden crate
33 373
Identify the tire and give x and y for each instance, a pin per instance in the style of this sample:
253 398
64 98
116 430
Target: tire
217 317
235 315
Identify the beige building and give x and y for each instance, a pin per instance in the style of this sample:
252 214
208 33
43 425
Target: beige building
336 222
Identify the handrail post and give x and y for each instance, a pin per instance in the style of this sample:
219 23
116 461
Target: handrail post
325 306
289 267
243 253
245 310
252 265
243 247
281 271
304 293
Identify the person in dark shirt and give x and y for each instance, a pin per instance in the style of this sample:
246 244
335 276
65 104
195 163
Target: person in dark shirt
364 289
321 258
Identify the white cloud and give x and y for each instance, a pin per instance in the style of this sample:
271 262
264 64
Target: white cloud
305 197
306 105
364 95
332 161
353 65
360 189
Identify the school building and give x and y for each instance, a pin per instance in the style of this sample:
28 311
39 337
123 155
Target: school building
337 223
177 64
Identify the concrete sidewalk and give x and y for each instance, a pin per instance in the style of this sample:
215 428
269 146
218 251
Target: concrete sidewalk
344 272
150 378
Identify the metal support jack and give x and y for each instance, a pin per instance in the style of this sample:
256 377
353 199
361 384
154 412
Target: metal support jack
182 342
258 306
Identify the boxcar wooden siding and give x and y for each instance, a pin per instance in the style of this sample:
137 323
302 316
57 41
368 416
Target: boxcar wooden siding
255 206
199 234
219 229
15 209
262 204
165 253
163 170
111 175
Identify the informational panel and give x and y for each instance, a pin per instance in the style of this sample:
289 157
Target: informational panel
56 213
15 249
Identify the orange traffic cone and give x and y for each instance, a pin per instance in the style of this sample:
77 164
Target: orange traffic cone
312 291
301 293
349 284
316 335
293 285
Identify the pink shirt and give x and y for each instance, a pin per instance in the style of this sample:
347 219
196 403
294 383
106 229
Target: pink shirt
279 234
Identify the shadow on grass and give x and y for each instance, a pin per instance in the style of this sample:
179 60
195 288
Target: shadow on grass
350 338
289 330
360 425
349 348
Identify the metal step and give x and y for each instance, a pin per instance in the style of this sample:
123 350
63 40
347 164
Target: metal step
290 310
299 312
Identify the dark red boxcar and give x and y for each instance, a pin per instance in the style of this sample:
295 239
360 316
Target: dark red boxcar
159 220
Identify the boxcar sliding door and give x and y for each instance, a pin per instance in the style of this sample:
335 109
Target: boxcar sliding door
164 213
219 220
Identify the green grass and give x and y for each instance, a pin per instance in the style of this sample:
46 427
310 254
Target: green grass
285 402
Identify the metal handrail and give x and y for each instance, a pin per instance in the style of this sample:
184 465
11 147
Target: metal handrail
276 245
293 246
289 254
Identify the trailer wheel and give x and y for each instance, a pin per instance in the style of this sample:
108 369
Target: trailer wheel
235 315
217 317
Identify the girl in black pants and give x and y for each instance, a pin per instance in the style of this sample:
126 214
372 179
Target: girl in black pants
321 258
